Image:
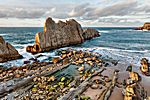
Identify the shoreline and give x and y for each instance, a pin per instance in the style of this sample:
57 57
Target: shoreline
108 65
103 51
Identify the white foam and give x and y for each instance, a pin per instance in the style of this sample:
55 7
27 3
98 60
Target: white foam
116 54
120 55
102 31
23 45
3 34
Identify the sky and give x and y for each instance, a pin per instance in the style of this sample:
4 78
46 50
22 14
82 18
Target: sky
93 13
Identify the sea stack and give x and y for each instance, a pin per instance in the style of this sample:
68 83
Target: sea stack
7 51
146 26
61 34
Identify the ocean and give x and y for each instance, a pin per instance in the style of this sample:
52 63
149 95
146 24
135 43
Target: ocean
121 44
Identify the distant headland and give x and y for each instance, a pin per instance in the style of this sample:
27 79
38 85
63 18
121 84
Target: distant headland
146 26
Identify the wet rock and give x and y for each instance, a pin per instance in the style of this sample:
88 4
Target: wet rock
106 65
56 60
26 62
144 65
33 59
115 63
80 61
134 76
62 79
94 86
63 56
17 75
64 90
129 68
52 78
81 68
130 93
65 61
7 51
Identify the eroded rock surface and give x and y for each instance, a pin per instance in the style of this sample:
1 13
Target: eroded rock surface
7 51
61 34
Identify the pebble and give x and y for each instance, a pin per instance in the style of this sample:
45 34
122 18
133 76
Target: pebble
81 68
94 86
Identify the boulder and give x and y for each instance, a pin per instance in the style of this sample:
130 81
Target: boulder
134 76
61 34
144 66
7 51
90 33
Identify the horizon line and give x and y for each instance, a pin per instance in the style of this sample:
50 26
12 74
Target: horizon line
81 26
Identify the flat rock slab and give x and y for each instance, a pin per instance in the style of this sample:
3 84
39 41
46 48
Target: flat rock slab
94 93
116 94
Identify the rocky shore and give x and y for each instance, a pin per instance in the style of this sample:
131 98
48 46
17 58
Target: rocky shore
61 34
70 74
7 51
75 75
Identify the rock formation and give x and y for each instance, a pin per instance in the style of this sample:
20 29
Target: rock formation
146 26
145 66
90 33
61 34
133 88
7 51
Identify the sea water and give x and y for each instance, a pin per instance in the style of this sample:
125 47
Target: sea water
118 43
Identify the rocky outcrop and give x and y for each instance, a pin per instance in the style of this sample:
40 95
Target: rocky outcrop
90 33
146 26
7 51
145 66
61 34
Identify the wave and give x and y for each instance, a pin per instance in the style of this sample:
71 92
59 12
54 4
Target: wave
3 34
124 56
111 49
108 53
22 45
102 31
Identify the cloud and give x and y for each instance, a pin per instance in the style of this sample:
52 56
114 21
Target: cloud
21 12
80 10
145 8
118 9
88 12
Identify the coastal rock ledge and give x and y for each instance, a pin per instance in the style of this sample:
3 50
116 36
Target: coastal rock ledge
7 51
61 34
